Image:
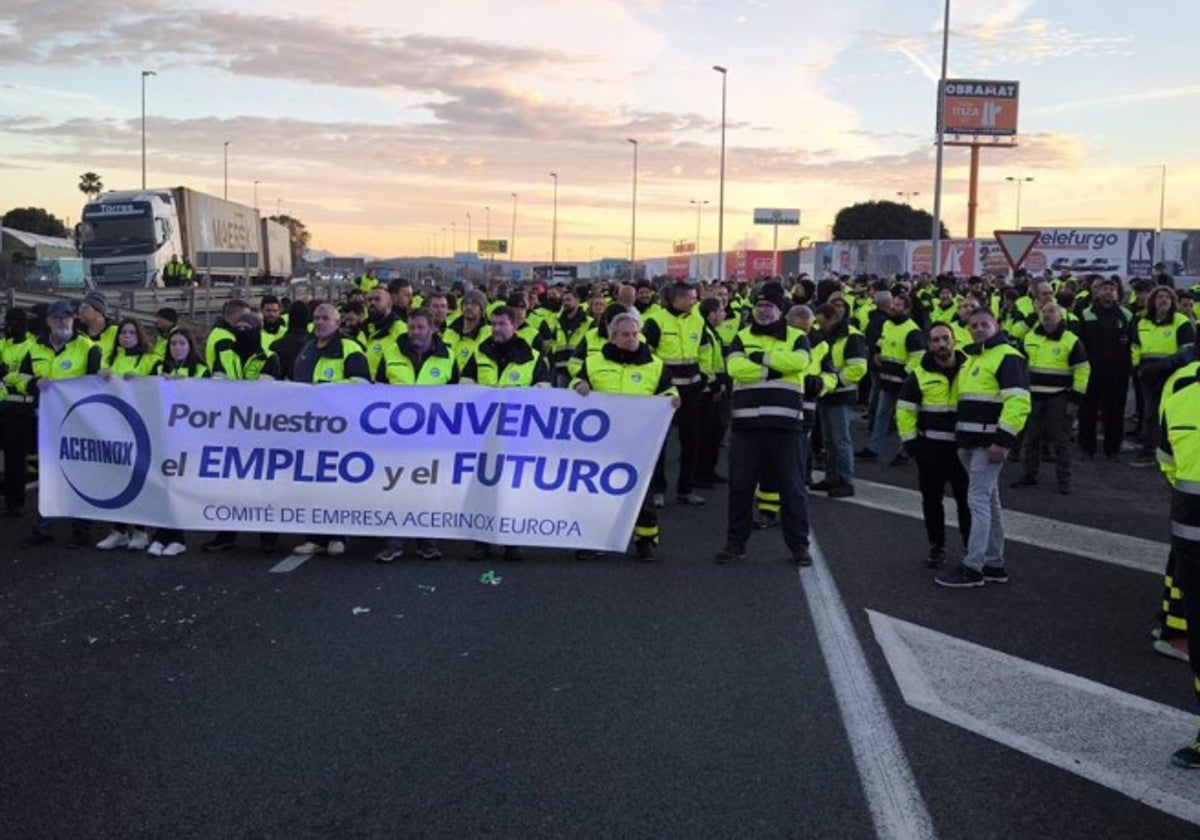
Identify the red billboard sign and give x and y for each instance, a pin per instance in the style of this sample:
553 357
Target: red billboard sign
979 107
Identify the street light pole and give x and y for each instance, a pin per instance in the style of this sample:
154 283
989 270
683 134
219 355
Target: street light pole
554 232
487 219
145 73
278 207
699 205
227 142
256 183
1019 180
470 247
453 238
633 226
936 263
512 239
721 197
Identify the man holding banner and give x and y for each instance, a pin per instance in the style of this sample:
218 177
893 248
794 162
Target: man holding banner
625 365
61 354
328 358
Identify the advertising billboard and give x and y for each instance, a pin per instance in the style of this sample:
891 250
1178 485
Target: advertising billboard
980 107
1123 251
776 216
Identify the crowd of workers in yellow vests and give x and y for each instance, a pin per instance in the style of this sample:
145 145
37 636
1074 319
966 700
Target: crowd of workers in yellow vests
958 374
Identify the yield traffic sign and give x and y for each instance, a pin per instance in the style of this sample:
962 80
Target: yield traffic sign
1016 245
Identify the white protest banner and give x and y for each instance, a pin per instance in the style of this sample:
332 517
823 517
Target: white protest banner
528 466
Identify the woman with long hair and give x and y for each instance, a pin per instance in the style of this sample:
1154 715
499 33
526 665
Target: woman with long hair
132 356
183 361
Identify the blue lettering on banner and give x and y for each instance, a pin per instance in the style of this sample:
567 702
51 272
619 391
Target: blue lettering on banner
321 467
574 475
505 419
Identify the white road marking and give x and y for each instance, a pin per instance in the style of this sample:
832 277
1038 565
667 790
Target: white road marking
1115 739
1106 546
290 563
897 809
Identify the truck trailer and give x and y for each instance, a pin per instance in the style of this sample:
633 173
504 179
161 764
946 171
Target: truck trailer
128 237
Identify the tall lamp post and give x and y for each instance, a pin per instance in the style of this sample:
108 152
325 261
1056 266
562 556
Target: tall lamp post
453 238
487 222
936 262
721 196
633 224
699 206
554 232
1018 180
470 247
512 239
145 73
256 183
227 142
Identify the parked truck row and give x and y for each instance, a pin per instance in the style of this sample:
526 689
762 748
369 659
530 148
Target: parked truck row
127 238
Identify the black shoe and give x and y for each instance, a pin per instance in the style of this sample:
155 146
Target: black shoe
995 574
900 459
1024 481
866 454
802 557
587 554
37 538
644 550
937 557
841 491
1189 757
729 555
218 544
717 478
960 577
79 541
822 486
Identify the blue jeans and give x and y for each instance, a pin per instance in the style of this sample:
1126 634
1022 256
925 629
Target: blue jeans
839 446
985 545
885 416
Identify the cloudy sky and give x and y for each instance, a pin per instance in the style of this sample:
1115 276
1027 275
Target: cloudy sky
383 123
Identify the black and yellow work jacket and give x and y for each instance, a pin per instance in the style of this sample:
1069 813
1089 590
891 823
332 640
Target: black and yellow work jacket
993 394
617 371
848 359
512 364
927 406
1179 459
340 360
767 365
901 344
677 338
403 365
1057 363
78 357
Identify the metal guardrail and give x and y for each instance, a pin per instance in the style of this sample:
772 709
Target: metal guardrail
198 306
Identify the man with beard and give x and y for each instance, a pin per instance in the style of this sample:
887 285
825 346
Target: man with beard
901 345
244 360
438 306
92 321
1160 333
419 357
573 325
400 292
767 364
925 416
60 354
677 336
1105 330
221 336
273 325
382 328
504 360
465 332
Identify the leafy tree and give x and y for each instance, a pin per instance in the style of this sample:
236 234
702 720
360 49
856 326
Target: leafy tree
90 185
884 220
299 236
34 220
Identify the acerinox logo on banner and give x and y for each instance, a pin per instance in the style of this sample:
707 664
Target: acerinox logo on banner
104 451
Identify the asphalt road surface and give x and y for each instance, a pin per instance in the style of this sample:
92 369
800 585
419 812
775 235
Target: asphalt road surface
207 695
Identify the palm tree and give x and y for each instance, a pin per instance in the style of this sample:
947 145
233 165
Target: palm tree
90 185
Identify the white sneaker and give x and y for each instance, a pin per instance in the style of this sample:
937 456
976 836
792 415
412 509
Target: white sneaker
138 540
658 500
155 549
115 539
309 548
335 548
389 555
173 549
